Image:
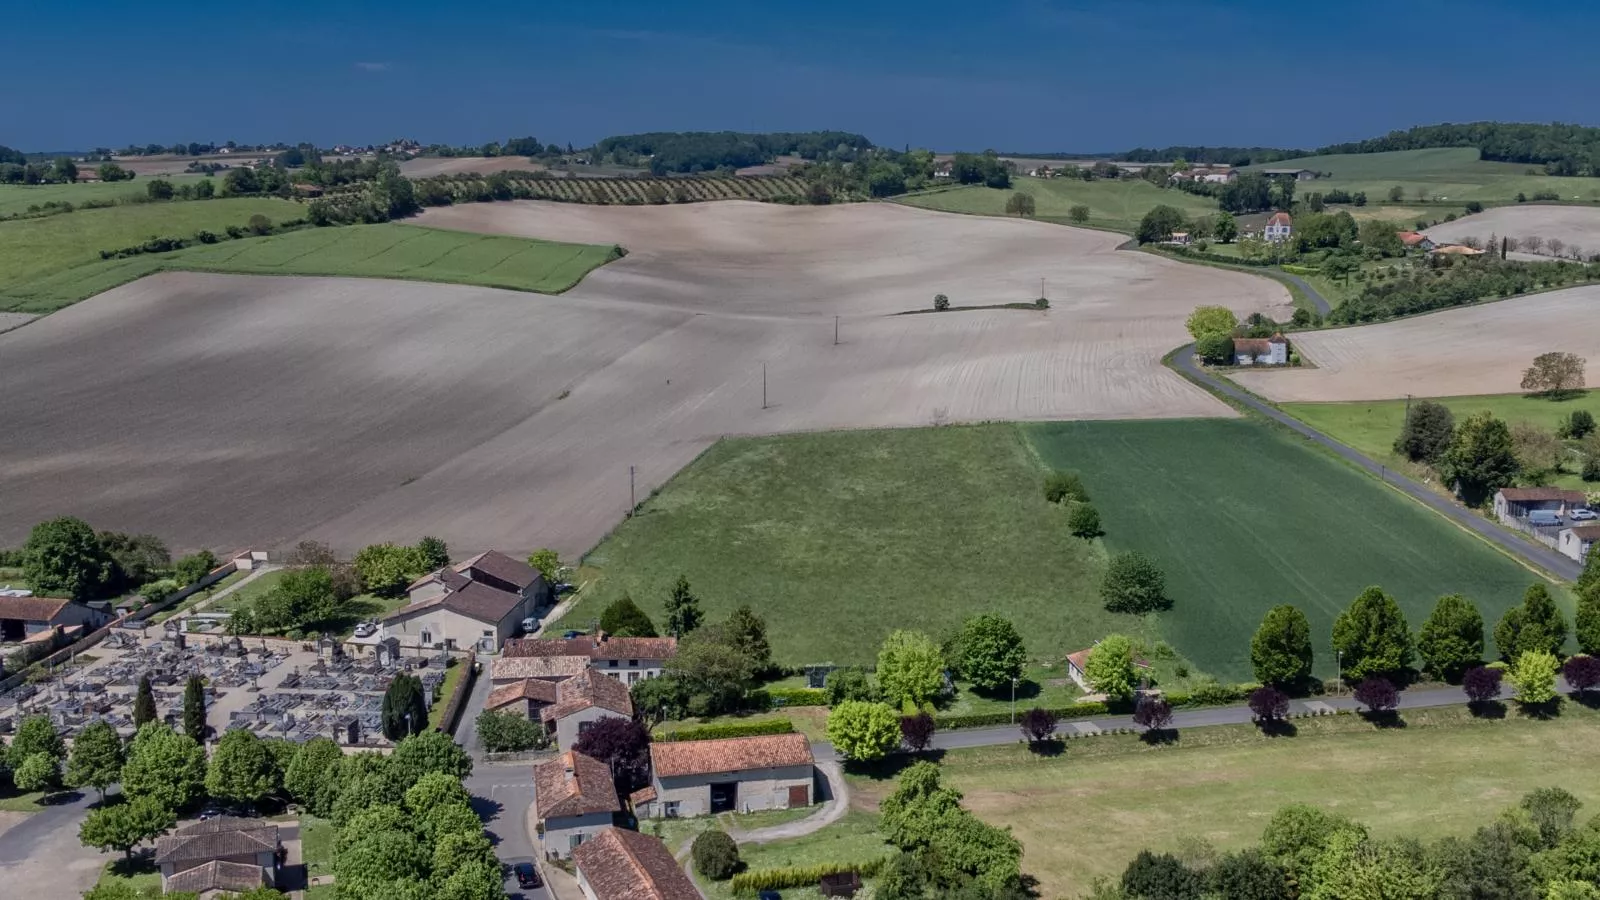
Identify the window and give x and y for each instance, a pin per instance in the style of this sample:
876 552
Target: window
612 663
633 663
427 638
573 840
584 726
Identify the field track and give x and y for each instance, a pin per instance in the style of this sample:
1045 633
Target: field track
228 410
1477 350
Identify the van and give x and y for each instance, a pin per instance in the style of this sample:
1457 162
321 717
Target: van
1543 518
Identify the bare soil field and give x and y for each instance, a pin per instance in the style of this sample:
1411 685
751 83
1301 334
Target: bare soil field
1477 350
226 410
425 166
1573 225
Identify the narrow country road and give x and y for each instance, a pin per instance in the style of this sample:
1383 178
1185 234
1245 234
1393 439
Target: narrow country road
1536 555
41 857
1316 298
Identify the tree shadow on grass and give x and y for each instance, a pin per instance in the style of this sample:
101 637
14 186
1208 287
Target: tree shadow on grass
1586 699
892 765
1049 747
1278 728
61 798
1026 690
1386 718
142 862
1160 737
1487 709
1541 711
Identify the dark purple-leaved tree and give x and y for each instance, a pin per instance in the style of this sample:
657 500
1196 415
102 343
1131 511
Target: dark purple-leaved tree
1581 672
1154 714
1269 704
1482 684
1378 695
1038 724
622 744
917 731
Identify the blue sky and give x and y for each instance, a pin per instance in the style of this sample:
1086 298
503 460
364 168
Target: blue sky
1017 75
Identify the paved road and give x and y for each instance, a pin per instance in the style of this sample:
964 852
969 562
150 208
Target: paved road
467 725
1536 555
41 858
502 794
1317 300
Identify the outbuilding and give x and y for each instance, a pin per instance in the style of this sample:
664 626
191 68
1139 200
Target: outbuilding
696 778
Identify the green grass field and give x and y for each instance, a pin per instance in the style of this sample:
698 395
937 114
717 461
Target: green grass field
839 538
16 198
1117 205
49 263
316 844
1372 425
1242 517
1445 773
1455 174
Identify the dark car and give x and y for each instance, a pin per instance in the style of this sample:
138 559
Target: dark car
527 875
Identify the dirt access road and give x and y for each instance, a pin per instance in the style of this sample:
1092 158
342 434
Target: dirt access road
228 411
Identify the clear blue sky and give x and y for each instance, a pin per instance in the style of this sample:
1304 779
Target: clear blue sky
1009 74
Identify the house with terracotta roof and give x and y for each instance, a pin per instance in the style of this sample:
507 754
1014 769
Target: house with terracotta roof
1576 542
627 659
1269 351
22 617
582 700
220 855
696 778
526 697
1279 227
1512 506
1415 240
626 865
574 798
479 603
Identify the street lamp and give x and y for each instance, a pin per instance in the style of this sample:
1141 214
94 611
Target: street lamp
1013 701
1338 662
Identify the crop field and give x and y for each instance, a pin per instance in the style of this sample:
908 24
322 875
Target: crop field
425 166
1242 517
55 261
1576 226
1453 174
1444 774
916 524
16 198
1468 351
604 191
1372 425
1114 204
354 410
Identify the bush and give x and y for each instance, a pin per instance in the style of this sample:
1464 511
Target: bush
1482 684
799 876
1060 487
1378 695
1084 520
728 730
1134 584
1269 704
1039 724
941 302
509 732
797 696
716 856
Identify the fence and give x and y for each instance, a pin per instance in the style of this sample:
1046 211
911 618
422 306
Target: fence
1548 535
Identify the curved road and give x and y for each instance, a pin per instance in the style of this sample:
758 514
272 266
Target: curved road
1536 555
1317 300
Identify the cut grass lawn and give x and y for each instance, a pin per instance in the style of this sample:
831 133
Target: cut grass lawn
1371 426
140 874
16 198
316 844
1445 773
29 802
852 839
837 539
1114 204
1455 173
1242 517
354 611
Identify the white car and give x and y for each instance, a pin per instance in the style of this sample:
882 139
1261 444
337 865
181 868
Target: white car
1583 515
365 629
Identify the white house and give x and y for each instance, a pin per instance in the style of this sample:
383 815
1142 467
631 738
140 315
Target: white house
1576 541
1272 351
627 659
574 798
478 603
1279 227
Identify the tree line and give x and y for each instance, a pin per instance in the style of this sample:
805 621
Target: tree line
705 151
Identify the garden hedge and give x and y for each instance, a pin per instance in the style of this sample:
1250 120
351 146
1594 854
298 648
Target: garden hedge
728 730
799 876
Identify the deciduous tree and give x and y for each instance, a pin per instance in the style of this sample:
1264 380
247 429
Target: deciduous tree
716 856
1480 459
1451 640
97 758
165 766
1280 652
126 825
1133 583
1078 213
1215 349
910 669
1161 877
1269 704
1378 695
622 744
1372 636
1481 684
990 652
242 769
435 553
1110 668
430 751
1426 434
863 731
1586 624
38 772
1020 204
194 567
1159 223
548 563
1154 714
1533 674
1211 320
917 731
313 763
1534 624
65 555
1554 374
386 569
1083 520
1038 724
509 732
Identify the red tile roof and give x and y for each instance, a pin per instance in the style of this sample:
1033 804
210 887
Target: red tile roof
1412 238
588 689
498 565
217 875
677 758
534 689
217 838
601 647
1280 218
1543 494
554 668
626 865
1590 533
31 609
573 785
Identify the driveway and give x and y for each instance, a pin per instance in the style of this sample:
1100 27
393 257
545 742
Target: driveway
41 858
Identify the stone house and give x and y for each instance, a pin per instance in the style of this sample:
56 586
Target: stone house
479 603
696 778
627 659
580 701
1279 228
626 865
218 855
527 697
574 798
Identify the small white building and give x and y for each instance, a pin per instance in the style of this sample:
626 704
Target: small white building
1279 228
1272 351
574 798
1576 541
696 778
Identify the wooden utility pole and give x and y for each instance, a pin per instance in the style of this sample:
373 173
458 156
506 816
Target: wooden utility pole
836 331
763 385
632 503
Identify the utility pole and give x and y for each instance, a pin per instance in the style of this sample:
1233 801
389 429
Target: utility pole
1013 701
1408 407
763 385
631 501
1041 288
836 331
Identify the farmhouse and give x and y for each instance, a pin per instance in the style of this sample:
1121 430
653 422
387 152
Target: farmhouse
1576 542
581 700
478 603
1180 238
626 865
574 798
510 669
219 855
627 659
1512 505
1279 227
944 170
1076 663
24 617
694 778
1296 174
1219 176
1416 240
1272 351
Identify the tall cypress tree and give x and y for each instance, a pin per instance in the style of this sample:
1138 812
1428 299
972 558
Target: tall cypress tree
144 704
683 609
403 698
194 709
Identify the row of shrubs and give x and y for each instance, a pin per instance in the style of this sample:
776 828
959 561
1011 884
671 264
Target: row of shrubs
728 730
233 232
1300 270
800 876
775 698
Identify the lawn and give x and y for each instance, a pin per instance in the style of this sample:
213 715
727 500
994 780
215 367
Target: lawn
1242 516
16 198
52 262
360 608
316 844
839 538
1088 811
812 721
139 873
853 838
1455 174
1115 204
29 802
1371 426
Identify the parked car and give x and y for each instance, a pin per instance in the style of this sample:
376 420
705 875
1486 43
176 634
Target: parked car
1543 518
529 625
365 629
1583 515
527 875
